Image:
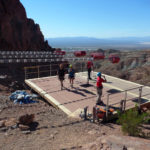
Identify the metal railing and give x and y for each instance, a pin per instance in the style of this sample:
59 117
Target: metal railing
133 94
125 98
37 71
51 69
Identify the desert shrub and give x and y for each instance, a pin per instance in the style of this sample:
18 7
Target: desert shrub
131 121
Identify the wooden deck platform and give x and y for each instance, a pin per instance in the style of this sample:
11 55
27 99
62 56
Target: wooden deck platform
73 100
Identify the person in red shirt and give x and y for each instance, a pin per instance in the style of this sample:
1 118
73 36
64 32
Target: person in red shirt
99 87
89 68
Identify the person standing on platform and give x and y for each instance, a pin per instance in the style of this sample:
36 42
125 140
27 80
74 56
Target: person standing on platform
99 86
61 74
89 69
71 75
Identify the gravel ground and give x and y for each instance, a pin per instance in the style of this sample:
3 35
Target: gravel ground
54 131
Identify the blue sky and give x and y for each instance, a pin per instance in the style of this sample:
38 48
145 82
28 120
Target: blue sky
91 18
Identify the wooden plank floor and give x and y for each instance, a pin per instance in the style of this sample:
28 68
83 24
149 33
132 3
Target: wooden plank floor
73 100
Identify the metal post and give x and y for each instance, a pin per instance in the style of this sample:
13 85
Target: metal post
93 71
38 71
125 99
107 107
50 69
140 94
83 64
94 114
85 112
25 72
121 106
82 67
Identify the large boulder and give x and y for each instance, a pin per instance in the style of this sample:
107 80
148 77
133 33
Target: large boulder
17 32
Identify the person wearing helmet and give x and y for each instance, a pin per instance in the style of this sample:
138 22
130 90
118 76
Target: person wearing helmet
61 74
89 69
99 86
71 75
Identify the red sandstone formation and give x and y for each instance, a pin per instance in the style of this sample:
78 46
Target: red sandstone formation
17 32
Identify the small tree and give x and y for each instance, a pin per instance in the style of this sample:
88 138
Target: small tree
131 121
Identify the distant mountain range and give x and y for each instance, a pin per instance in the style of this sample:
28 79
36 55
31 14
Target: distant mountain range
123 42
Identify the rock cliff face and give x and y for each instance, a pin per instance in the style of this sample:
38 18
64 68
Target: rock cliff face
17 32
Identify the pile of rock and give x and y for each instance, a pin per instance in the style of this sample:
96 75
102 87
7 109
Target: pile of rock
23 123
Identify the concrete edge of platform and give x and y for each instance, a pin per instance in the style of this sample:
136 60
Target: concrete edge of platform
76 114
49 98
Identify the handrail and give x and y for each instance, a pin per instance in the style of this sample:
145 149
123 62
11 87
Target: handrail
127 90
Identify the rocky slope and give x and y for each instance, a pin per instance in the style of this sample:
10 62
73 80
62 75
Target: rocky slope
17 32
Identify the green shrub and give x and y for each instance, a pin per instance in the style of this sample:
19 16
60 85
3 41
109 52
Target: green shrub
131 121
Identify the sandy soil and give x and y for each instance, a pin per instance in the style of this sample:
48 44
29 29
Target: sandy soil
54 131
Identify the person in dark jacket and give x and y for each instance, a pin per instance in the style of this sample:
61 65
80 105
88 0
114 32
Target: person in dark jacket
61 74
99 87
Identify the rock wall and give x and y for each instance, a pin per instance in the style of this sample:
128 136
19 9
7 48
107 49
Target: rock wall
17 32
